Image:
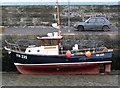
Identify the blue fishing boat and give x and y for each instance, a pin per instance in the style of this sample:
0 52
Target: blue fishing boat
50 58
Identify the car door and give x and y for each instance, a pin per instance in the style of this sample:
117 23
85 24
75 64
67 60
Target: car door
90 23
99 23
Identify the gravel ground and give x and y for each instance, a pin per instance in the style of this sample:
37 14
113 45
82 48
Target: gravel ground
44 30
15 79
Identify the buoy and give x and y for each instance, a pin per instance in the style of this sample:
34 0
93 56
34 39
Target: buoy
79 53
68 54
88 54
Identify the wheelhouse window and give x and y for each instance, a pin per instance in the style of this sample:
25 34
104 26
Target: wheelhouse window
54 42
49 42
44 42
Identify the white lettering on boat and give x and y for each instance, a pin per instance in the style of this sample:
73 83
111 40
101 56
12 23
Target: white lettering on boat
100 54
21 56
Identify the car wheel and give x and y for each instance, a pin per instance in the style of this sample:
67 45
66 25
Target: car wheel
80 28
105 28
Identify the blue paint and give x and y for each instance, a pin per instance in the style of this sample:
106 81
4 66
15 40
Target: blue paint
38 59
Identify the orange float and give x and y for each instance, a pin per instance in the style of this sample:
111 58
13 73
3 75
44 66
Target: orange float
68 54
88 54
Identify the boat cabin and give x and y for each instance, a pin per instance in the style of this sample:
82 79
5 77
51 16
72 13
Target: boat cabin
49 45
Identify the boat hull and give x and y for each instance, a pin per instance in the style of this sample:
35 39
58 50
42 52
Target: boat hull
68 68
38 64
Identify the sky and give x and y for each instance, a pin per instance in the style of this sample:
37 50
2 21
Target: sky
59 0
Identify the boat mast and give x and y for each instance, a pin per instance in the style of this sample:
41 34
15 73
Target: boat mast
58 14
68 16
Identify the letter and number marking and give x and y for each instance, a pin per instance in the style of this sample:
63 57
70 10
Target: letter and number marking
21 56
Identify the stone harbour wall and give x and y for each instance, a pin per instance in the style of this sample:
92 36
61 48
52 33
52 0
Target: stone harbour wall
45 14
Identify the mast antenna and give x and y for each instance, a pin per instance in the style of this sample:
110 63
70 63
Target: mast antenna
58 17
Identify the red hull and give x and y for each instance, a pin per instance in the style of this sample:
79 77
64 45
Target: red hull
92 68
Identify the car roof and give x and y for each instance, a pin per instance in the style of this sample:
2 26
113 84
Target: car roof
97 17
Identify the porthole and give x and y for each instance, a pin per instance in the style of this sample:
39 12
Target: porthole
29 50
38 50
